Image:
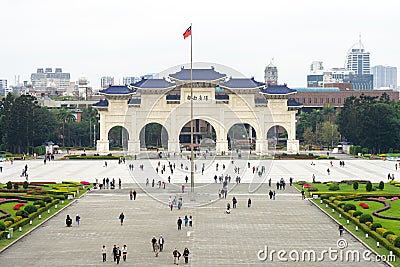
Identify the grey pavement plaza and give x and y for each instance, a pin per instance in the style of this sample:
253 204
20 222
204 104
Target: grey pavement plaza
216 239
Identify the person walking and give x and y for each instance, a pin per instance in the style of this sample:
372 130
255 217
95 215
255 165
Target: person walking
156 249
186 220
249 203
153 242
68 221
161 242
179 222
234 201
177 255
115 251
130 194
186 255
121 218
190 221
124 252
134 194
77 219
104 253
341 229
118 255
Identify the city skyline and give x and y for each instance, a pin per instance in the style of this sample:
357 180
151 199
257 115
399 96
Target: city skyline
100 38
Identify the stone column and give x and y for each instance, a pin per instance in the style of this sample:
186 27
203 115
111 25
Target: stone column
173 146
102 146
221 146
134 147
261 146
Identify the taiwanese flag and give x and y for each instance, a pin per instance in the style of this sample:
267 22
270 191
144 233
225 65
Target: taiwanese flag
188 32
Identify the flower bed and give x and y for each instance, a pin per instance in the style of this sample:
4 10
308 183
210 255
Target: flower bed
364 206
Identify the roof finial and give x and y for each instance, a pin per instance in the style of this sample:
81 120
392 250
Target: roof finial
359 41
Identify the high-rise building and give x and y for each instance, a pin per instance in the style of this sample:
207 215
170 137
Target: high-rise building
3 86
58 80
130 80
358 61
106 81
384 77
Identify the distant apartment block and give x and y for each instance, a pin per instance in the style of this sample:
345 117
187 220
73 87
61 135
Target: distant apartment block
384 77
47 79
106 81
130 80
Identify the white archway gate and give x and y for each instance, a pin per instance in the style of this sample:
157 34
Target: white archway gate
220 101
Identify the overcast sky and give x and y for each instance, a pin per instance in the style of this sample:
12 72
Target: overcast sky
131 38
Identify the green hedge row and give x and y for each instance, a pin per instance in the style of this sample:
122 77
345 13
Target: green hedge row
383 241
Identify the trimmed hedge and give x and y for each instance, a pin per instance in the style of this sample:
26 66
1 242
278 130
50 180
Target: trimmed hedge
22 213
357 213
385 234
30 209
375 225
348 207
2 226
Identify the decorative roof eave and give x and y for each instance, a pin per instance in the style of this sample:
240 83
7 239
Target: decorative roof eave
155 88
236 88
278 96
195 81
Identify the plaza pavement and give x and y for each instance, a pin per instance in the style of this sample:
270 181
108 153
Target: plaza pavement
216 239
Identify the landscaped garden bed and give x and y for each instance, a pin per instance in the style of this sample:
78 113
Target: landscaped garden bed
23 205
371 208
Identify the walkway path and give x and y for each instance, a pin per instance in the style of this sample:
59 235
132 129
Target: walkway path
216 238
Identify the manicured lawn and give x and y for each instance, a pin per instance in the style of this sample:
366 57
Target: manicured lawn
10 207
349 188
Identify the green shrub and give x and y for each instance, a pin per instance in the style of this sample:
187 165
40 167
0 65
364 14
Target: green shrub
355 185
324 197
312 189
391 238
22 213
9 219
60 197
348 207
385 234
39 203
381 231
381 185
357 213
25 185
375 225
47 199
9 185
16 186
2 226
397 242
30 209
341 205
334 187
369 186
366 218
301 182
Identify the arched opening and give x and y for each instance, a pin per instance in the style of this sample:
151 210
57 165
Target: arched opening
118 138
242 136
277 137
204 136
153 136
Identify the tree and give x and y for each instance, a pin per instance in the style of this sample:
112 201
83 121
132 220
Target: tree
381 185
369 186
355 185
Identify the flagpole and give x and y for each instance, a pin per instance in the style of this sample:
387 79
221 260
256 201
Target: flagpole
191 113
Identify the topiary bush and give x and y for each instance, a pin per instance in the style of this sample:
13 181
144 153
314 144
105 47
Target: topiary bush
355 185
334 187
47 199
391 238
366 218
381 231
369 186
397 242
9 185
22 213
30 209
2 226
25 185
341 205
357 213
348 207
381 185
16 186
385 234
375 225
9 219
39 203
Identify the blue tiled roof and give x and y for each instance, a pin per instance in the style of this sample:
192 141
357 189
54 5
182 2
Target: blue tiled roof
117 90
293 103
277 90
173 97
153 83
101 103
317 89
241 83
198 75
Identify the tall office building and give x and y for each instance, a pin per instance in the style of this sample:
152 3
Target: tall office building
130 80
271 74
41 80
106 81
358 61
3 86
384 77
